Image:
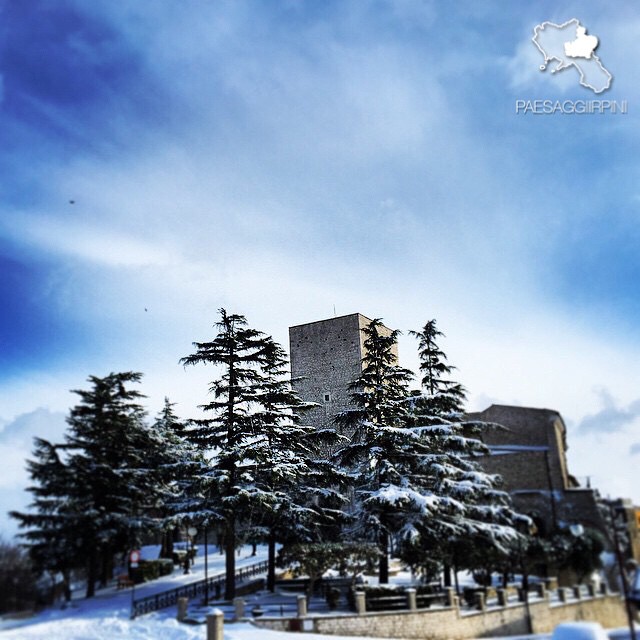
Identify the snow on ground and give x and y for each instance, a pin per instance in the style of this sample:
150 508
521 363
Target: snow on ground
107 615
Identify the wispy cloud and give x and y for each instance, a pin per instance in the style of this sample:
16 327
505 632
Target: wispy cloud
612 417
16 440
281 159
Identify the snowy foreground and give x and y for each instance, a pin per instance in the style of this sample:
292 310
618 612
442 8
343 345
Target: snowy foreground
107 616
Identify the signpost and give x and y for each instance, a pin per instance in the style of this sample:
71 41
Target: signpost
134 559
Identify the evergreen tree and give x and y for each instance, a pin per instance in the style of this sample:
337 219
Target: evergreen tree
92 494
228 437
176 462
50 533
470 504
441 396
381 455
296 486
107 446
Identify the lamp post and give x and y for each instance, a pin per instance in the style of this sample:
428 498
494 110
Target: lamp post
531 530
192 531
623 573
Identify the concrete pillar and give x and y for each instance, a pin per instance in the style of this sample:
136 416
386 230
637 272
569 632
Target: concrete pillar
562 594
238 606
541 589
502 597
302 606
412 601
215 625
481 602
451 597
604 588
591 590
577 592
183 603
361 602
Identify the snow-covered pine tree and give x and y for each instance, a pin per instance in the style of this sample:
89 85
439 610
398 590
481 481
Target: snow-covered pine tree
176 463
50 534
107 446
382 455
228 436
294 486
470 503
441 396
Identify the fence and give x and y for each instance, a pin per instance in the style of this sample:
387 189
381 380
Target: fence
214 586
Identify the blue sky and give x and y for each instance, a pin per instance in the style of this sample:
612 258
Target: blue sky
161 160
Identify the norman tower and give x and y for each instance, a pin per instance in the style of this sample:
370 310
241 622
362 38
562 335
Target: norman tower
326 357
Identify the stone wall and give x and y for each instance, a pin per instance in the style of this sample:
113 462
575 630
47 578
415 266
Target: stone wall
530 455
453 624
326 357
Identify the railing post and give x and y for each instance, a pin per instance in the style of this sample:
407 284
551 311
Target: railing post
361 602
183 603
215 625
238 605
302 606
412 601
451 597
502 597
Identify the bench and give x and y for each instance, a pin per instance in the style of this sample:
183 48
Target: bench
124 581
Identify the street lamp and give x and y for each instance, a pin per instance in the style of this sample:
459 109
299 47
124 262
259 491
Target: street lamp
623 573
192 531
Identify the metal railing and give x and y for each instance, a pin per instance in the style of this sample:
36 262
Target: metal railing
214 586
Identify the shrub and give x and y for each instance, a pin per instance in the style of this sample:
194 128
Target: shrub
18 588
153 569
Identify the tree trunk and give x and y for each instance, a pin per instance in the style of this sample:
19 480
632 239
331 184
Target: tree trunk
66 585
106 570
167 544
271 562
92 573
446 569
383 571
230 559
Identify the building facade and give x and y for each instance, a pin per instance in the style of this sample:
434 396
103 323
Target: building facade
529 451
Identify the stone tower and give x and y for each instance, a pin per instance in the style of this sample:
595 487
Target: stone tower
326 357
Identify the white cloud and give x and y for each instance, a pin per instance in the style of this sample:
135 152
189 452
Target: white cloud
16 441
263 194
94 243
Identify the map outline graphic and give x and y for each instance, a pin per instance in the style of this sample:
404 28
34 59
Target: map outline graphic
586 65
